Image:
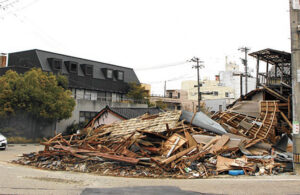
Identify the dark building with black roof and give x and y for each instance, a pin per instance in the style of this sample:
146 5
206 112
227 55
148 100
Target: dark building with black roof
93 84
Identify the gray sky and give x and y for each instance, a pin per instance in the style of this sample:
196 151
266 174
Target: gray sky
147 33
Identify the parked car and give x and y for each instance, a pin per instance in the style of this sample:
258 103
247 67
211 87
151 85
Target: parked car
3 142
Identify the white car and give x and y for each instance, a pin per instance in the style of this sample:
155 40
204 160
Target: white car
3 142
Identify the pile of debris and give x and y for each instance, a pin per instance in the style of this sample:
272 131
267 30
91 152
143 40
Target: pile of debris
169 144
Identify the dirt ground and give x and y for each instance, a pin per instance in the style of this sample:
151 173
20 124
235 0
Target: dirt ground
17 179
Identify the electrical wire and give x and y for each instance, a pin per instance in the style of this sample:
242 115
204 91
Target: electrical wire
161 66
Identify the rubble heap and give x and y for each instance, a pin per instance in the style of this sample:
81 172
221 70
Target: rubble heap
159 145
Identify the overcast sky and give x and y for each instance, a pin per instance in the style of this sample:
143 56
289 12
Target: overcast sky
146 34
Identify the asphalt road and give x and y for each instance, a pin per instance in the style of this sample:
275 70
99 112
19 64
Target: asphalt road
17 179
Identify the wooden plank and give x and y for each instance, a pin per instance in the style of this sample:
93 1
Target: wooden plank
171 141
178 155
275 94
286 120
191 140
214 140
219 144
223 164
289 107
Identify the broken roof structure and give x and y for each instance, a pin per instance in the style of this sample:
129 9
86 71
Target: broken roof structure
272 84
269 104
152 123
161 145
117 114
279 79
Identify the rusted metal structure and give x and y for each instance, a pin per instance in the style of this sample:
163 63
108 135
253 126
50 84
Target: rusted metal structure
277 77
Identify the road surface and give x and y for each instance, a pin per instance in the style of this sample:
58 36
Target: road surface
17 179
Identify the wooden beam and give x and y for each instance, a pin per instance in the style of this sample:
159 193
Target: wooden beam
275 94
289 107
286 120
178 155
267 73
257 71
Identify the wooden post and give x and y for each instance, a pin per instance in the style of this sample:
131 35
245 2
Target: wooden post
257 72
267 73
281 78
276 70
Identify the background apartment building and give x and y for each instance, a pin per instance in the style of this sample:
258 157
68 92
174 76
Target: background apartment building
94 85
231 77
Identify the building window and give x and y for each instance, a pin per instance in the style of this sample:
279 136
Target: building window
216 93
108 96
89 70
85 116
101 96
73 67
120 75
73 92
170 95
118 97
109 74
226 94
79 93
178 96
87 95
57 64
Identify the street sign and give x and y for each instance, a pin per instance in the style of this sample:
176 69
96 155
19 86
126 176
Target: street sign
295 127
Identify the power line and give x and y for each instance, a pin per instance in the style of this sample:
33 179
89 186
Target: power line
185 76
161 66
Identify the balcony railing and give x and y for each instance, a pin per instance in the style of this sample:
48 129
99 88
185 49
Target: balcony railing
262 79
121 100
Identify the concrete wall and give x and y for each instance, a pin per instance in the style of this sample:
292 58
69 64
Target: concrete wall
227 79
173 94
147 88
216 105
92 106
208 86
26 125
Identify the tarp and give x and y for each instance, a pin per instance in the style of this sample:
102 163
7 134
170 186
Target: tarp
203 121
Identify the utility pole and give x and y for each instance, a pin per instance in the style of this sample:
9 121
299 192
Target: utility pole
241 85
198 66
295 63
165 89
245 62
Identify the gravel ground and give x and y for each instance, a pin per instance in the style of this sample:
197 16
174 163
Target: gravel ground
17 179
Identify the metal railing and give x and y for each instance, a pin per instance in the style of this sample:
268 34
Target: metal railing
121 100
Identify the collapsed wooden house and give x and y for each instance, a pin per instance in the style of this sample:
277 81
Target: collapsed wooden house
265 112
